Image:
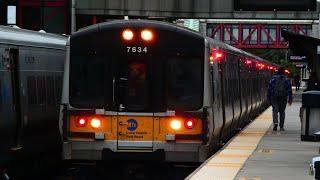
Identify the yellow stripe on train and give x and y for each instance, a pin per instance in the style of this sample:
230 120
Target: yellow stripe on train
135 128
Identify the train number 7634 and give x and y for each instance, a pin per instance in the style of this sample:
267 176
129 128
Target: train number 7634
136 49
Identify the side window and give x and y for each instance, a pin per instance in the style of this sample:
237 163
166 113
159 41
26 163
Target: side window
32 90
212 85
58 88
50 98
41 87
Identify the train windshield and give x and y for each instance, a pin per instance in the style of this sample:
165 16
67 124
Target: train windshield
136 83
88 82
184 78
133 85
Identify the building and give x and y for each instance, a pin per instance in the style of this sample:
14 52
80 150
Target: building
49 15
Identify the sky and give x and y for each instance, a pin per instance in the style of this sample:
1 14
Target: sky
11 15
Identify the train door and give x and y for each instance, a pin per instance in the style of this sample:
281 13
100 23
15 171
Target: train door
11 119
7 122
135 114
244 73
236 93
228 92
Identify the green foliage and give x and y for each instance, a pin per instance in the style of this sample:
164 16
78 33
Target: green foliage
277 56
291 67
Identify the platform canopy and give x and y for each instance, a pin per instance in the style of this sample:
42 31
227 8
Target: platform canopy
305 46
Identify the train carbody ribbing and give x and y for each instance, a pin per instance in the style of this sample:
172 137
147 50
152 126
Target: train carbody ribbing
31 69
142 89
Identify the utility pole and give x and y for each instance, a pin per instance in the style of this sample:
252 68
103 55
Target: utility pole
73 16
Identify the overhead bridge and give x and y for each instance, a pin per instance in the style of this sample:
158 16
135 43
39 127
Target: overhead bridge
196 9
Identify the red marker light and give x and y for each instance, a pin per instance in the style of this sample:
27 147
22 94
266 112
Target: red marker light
287 71
260 66
82 122
219 55
216 55
189 123
248 62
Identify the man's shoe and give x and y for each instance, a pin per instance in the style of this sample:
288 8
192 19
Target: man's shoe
275 128
281 129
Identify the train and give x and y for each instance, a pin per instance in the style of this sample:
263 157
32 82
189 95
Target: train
31 70
150 90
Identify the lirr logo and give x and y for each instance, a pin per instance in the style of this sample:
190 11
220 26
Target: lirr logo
132 124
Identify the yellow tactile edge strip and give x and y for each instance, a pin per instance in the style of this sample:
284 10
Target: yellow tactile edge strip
226 163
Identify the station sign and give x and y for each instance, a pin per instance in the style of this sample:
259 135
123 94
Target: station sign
298 58
300 64
275 5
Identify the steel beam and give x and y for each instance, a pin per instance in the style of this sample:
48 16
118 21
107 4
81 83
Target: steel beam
182 9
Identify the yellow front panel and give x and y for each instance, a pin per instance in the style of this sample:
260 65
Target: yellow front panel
108 126
132 128
163 126
105 124
136 128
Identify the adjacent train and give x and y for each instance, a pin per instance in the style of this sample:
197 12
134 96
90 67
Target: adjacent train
31 69
138 89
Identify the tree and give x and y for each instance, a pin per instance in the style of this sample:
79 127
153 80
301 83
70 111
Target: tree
277 56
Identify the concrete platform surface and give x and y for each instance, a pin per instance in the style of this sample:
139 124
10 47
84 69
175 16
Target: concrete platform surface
281 155
226 163
259 153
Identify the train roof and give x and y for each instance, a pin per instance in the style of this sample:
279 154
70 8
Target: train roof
235 50
170 26
23 37
164 25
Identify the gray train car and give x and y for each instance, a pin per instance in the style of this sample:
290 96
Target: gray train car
31 68
157 92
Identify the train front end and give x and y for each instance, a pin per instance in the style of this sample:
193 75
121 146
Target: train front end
134 90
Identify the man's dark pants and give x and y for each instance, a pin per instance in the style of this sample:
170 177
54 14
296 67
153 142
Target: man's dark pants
278 106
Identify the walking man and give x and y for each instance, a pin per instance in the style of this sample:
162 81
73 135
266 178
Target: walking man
297 82
279 92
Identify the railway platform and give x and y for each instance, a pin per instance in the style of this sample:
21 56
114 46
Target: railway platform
259 153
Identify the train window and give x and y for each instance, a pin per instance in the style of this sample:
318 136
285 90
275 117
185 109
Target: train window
50 90
184 83
41 87
136 88
58 88
88 81
32 90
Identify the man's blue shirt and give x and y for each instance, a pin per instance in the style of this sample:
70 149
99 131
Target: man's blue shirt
272 83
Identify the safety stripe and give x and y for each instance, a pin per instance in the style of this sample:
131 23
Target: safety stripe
226 163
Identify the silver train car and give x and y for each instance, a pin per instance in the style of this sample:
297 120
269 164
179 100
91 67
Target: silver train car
141 90
31 69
